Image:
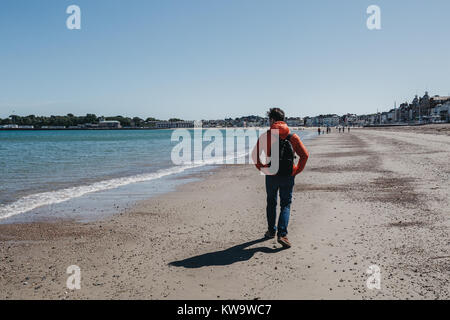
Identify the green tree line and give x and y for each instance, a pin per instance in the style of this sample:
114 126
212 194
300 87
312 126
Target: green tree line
71 120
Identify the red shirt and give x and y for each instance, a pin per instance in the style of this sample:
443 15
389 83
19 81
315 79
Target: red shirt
283 131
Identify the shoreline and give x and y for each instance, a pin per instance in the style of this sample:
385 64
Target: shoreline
445 125
115 199
364 198
70 199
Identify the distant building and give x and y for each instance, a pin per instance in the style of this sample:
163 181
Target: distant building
445 107
112 124
425 105
174 124
371 119
53 127
9 126
349 119
313 121
437 100
391 116
213 123
88 125
331 121
295 122
441 112
404 113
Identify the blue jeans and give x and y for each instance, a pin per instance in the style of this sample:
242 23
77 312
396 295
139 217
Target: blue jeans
285 185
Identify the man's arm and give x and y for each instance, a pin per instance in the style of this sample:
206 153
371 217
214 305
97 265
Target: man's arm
255 156
302 152
263 145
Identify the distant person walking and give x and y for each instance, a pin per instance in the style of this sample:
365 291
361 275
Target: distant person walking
348 129
339 129
318 131
283 180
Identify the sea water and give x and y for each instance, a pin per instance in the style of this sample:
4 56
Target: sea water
84 174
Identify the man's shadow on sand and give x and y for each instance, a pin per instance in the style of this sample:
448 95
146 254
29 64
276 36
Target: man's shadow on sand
225 257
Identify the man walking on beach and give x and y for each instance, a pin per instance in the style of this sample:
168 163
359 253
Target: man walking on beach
283 179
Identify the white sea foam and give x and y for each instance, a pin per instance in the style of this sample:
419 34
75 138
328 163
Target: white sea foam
33 201
36 200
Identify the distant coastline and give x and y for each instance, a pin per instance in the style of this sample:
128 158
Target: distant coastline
422 110
230 127
74 129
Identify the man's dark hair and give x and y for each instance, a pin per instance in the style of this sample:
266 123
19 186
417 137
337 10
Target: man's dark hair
276 114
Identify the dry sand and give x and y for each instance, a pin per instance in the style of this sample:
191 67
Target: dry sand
369 197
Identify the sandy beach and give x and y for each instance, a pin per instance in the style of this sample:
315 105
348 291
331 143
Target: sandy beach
368 197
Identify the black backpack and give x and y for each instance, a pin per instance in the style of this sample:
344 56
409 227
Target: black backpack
286 157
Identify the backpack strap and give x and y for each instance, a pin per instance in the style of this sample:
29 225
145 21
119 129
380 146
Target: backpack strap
289 136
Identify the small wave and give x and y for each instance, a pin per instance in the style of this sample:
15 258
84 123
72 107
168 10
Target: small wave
36 200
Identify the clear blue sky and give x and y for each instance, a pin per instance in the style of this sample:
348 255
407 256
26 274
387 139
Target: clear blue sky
204 59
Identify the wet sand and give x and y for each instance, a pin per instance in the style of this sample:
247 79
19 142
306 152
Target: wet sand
368 197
